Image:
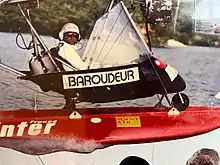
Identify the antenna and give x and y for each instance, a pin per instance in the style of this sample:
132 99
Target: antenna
176 15
145 8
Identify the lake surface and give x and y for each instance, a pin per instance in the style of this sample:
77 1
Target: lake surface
199 66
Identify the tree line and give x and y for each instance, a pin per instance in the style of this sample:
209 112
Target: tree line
52 14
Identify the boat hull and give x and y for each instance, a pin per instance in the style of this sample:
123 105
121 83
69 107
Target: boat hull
47 131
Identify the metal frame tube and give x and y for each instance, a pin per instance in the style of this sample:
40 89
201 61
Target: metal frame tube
38 37
36 52
11 69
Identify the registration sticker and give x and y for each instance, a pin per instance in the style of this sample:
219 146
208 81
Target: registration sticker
172 73
128 121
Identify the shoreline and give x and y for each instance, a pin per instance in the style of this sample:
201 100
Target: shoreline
171 43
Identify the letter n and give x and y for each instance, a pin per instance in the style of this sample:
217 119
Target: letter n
7 129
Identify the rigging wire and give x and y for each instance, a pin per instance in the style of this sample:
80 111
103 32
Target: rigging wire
30 46
99 36
96 44
148 36
34 89
147 30
117 38
25 46
108 36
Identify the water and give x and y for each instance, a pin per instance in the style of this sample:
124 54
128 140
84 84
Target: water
198 66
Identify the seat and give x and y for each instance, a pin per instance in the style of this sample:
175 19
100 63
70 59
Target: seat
54 53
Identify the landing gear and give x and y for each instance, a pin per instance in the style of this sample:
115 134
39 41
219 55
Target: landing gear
70 105
159 104
180 101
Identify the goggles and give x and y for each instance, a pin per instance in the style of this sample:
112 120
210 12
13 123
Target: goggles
72 34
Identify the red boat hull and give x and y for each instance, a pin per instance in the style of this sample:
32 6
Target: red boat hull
48 131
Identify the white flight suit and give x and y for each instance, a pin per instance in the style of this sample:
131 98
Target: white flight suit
69 53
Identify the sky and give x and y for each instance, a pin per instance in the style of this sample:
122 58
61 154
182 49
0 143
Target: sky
208 9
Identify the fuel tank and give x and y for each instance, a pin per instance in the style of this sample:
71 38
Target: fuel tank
41 65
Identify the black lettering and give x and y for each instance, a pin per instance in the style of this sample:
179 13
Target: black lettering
104 80
72 81
87 79
130 73
80 80
125 76
93 77
118 77
109 79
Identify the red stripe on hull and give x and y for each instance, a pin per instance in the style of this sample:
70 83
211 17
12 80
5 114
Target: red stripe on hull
99 128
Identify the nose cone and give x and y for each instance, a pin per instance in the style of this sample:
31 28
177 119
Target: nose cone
177 85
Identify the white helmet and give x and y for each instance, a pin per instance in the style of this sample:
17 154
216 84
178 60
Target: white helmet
69 27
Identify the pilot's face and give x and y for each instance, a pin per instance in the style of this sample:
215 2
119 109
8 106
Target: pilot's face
71 38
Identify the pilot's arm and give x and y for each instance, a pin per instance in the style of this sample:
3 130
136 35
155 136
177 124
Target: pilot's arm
69 53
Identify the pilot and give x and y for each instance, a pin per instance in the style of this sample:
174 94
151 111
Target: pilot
69 36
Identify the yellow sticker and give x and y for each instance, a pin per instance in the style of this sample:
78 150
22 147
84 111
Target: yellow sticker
128 121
